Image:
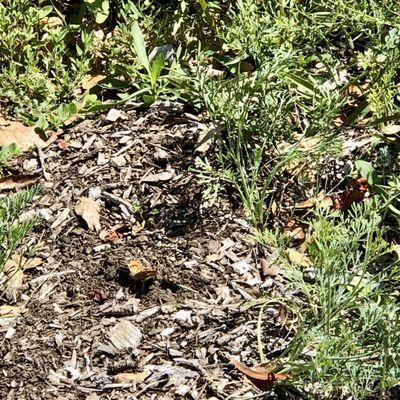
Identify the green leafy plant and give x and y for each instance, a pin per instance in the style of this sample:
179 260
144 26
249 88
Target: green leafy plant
348 331
12 229
8 152
99 8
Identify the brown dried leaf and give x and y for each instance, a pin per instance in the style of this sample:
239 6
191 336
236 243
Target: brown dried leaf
298 258
131 377
354 91
63 145
10 311
263 380
322 200
52 22
18 181
274 207
308 203
160 177
110 236
294 230
14 271
215 73
308 143
89 210
205 139
90 81
268 269
343 200
25 137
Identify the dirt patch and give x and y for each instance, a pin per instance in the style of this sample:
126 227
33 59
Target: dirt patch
87 320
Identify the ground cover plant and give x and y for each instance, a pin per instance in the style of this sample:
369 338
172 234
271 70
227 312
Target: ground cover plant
304 100
13 229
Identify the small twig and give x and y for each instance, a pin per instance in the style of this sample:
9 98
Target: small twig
39 279
149 386
42 163
124 149
259 335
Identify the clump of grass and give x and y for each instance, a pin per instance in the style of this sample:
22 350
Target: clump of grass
12 229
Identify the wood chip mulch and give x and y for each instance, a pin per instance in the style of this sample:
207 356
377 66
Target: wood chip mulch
90 329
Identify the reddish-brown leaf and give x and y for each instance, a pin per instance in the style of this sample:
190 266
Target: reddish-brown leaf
344 200
263 380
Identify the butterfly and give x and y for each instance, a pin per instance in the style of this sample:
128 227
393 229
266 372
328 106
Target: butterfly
141 270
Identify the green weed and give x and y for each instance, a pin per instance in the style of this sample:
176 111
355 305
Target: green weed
349 330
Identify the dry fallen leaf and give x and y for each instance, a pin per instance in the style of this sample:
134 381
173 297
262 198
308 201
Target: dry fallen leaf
263 380
308 203
141 270
110 236
63 145
339 120
269 269
13 272
160 177
354 91
25 137
205 137
90 81
89 210
273 207
298 258
18 181
215 73
343 200
308 143
52 22
294 230
391 130
131 377
10 311
321 200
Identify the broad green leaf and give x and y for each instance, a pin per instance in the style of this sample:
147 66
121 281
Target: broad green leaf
140 47
367 171
148 99
63 111
45 11
203 4
156 67
99 8
72 108
103 12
